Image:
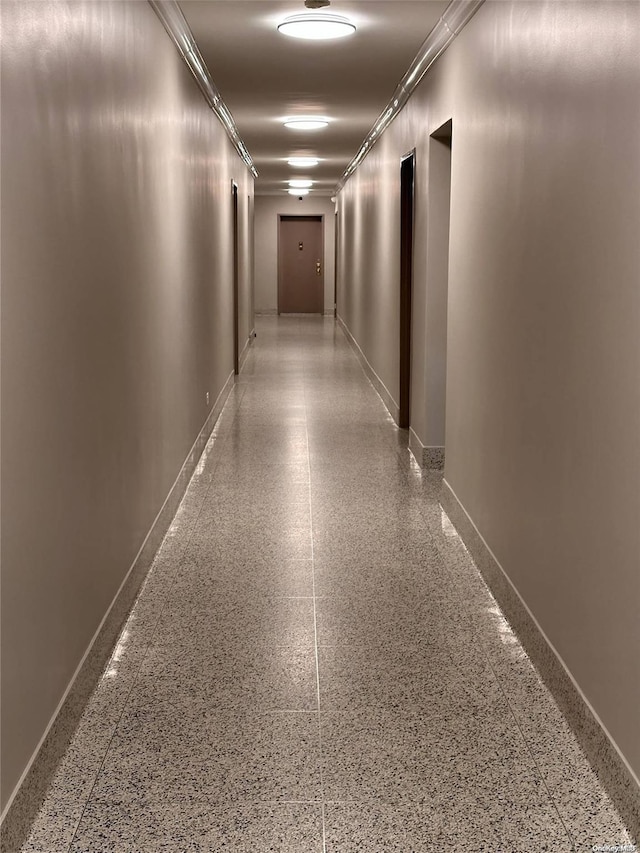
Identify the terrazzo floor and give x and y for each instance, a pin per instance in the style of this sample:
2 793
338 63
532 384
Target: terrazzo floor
314 663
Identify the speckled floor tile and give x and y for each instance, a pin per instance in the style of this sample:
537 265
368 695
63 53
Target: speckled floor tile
252 477
206 580
393 538
357 827
377 578
352 484
369 622
392 547
215 828
254 679
430 681
463 825
395 757
170 753
377 514
296 545
278 514
229 623
255 526
314 663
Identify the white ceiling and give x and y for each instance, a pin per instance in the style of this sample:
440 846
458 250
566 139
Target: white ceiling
264 76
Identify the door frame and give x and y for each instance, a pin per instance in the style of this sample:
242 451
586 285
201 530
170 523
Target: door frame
407 218
316 217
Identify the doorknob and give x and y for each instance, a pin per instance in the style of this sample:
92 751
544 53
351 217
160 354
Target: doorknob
318 268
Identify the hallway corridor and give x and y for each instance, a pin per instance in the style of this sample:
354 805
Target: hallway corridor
314 663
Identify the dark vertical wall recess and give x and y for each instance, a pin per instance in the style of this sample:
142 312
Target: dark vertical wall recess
236 277
437 293
336 232
407 169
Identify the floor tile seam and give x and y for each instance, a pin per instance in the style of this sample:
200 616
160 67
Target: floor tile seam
238 645
203 799
324 826
237 711
409 802
408 715
105 753
391 444
213 801
315 614
239 599
395 650
378 647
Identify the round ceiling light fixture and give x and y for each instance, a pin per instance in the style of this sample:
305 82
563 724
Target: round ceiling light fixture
298 192
301 183
305 123
302 162
316 26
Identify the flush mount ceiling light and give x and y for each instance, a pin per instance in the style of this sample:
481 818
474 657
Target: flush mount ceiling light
316 26
298 192
305 123
302 162
300 183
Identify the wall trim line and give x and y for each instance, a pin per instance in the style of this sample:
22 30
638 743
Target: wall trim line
457 14
616 775
29 793
175 23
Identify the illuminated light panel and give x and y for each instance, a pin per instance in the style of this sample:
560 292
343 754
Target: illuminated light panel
316 27
302 162
298 192
300 183
306 123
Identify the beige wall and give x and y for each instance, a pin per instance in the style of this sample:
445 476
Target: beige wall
543 374
267 210
117 314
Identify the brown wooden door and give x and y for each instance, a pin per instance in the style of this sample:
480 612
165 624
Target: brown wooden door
301 265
